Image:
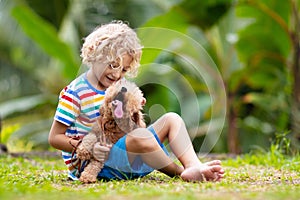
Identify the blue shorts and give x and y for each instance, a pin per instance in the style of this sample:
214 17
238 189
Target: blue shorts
118 167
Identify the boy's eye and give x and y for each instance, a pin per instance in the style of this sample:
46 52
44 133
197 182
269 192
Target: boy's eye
112 66
119 67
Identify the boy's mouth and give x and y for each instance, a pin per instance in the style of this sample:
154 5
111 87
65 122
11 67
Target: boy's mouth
111 79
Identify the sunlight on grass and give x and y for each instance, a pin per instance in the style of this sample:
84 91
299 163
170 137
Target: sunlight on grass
247 176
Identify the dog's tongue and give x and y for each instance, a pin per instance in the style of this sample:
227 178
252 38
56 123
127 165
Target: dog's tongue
118 110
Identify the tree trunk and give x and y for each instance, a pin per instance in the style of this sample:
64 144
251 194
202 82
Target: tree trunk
296 96
232 135
296 76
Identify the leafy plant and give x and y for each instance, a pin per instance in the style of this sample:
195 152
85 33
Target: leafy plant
44 34
270 57
254 45
7 132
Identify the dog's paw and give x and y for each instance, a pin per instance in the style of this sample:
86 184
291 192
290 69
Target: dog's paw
87 178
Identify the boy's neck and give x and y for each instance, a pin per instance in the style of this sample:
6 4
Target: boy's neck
93 80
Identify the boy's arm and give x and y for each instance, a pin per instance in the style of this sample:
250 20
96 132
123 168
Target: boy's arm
58 139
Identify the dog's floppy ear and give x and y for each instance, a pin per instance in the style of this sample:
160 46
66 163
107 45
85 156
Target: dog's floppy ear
100 122
101 119
135 117
106 120
138 119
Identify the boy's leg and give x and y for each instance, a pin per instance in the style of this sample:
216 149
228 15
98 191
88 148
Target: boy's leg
142 142
171 127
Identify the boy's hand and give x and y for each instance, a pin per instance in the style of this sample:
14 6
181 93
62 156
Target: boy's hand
101 152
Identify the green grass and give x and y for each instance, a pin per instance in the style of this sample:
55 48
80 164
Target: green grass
261 176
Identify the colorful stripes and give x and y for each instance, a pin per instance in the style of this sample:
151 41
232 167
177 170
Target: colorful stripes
78 108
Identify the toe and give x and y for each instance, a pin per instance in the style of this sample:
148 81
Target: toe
213 162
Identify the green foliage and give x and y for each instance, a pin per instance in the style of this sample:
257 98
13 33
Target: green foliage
18 58
44 34
7 132
279 154
247 41
203 14
264 52
31 136
266 82
22 104
54 12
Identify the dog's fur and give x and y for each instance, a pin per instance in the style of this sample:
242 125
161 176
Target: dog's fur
120 113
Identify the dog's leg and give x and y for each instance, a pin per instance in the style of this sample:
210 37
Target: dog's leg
90 173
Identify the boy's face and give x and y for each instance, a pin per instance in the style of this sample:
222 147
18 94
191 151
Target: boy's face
112 72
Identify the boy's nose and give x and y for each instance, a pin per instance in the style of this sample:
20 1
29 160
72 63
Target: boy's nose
116 74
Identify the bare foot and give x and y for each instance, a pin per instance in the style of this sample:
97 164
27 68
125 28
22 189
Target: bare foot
210 171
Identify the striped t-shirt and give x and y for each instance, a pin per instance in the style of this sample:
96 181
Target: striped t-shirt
78 108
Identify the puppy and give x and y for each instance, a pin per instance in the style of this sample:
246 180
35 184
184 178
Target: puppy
120 113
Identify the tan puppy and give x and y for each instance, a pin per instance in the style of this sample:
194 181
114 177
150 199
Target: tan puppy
120 113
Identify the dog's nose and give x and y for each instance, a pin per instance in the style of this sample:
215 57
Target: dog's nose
120 95
123 89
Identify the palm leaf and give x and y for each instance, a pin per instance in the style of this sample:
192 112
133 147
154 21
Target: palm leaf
21 104
45 35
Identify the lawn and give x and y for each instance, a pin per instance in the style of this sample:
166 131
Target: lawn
259 176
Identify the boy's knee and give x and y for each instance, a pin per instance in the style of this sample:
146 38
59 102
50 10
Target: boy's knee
140 140
173 117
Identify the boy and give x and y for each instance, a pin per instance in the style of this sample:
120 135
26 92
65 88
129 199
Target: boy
113 51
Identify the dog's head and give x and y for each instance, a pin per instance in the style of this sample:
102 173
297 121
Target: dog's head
121 111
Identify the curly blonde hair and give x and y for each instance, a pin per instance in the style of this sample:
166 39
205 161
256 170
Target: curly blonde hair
108 42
